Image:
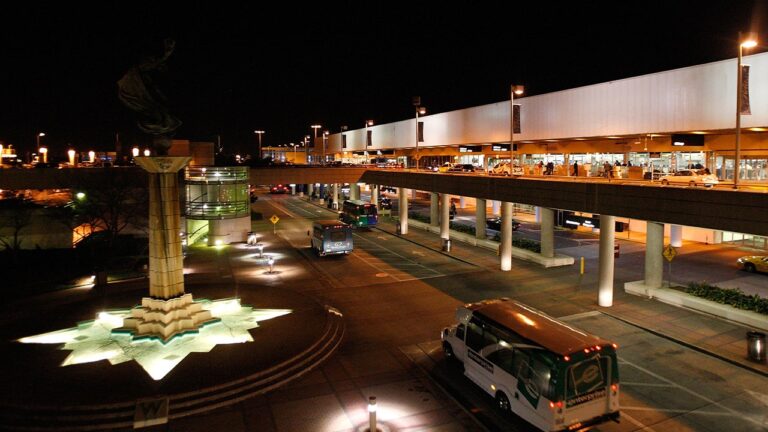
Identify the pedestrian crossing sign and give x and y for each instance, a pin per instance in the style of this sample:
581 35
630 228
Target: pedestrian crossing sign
669 253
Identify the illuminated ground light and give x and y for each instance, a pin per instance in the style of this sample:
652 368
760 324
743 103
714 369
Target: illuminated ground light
94 340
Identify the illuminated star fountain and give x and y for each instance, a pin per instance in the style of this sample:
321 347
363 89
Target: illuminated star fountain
100 339
169 324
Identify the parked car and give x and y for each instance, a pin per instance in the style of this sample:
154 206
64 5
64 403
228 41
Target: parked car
279 189
494 223
754 263
504 168
444 167
462 168
692 177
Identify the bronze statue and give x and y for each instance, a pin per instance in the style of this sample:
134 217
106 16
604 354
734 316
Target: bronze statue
138 91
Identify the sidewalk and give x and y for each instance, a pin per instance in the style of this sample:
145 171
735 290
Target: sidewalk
705 333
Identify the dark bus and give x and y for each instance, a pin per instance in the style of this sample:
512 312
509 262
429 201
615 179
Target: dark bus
359 213
330 237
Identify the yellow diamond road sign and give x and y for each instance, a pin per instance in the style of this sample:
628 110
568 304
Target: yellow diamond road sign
669 253
274 219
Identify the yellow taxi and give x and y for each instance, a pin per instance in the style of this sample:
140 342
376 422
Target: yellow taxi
754 263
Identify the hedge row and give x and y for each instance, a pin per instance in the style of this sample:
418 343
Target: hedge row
728 296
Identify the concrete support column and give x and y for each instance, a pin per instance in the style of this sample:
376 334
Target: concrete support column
567 164
403 210
505 247
480 217
676 235
434 209
537 214
354 191
547 232
495 207
310 190
717 237
654 246
301 190
336 189
445 218
293 189
605 266
375 195
462 202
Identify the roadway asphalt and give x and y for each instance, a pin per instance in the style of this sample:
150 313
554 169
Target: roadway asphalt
680 370
397 293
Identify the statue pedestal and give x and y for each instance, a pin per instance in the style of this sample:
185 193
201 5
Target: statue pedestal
164 319
168 311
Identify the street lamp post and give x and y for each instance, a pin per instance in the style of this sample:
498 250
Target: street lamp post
365 139
315 127
513 90
749 42
419 110
325 140
259 133
39 149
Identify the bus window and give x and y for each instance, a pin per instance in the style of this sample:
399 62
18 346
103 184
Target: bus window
338 236
538 376
460 331
474 336
585 377
504 358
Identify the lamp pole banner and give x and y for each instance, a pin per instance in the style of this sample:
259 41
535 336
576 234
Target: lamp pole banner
516 119
745 109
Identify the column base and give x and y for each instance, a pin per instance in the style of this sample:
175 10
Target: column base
164 319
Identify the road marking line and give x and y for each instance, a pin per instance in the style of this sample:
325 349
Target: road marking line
685 389
636 421
580 315
639 384
676 411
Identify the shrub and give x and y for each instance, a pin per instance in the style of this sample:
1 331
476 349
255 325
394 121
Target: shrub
728 296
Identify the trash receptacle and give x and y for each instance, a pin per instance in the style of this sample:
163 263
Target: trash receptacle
447 245
756 346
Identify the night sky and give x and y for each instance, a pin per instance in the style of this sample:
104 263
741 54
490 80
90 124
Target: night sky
283 67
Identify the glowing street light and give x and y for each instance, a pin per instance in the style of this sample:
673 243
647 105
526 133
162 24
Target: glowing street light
147 152
259 133
92 156
419 110
514 90
135 151
40 149
750 41
315 127
44 151
325 140
372 413
71 154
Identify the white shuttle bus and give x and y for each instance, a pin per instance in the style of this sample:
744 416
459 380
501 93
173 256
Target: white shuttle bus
551 374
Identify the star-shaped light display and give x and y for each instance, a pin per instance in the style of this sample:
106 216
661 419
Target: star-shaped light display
94 340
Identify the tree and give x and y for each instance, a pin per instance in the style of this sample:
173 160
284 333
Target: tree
110 202
15 215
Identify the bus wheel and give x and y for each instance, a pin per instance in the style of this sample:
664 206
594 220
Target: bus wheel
503 402
448 351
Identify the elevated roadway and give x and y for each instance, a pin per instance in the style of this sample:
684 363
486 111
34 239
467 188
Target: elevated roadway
721 208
